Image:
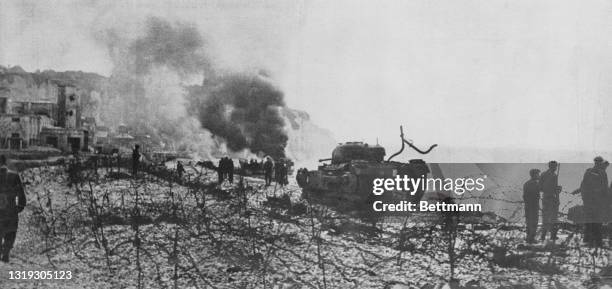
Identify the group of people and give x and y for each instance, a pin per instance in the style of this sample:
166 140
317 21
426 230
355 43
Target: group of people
13 200
279 170
594 190
226 170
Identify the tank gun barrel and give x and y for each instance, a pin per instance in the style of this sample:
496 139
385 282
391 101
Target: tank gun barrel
404 142
324 160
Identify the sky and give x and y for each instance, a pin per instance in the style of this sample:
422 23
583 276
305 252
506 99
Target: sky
479 74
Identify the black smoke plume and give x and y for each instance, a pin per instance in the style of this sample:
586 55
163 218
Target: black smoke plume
243 110
148 93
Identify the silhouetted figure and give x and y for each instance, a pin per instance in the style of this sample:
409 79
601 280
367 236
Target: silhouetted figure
268 167
180 169
74 171
12 202
135 160
594 188
118 158
229 164
549 183
302 177
281 173
221 169
531 196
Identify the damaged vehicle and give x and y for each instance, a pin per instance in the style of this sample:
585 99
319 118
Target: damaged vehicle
347 177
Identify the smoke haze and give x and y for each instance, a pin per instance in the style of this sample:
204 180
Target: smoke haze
243 110
475 74
152 73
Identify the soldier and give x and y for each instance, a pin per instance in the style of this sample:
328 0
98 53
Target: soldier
12 202
74 171
531 196
268 166
180 169
278 172
282 178
135 160
221 170
230 169
549 183
594 188
302 177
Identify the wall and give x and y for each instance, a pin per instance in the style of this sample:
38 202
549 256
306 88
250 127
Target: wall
28 127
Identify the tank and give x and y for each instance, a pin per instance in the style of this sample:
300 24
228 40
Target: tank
347 177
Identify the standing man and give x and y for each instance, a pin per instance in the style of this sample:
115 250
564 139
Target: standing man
282 179
594 188
268 166
180 169
549 182
230 170
135 160
74 171
278 172
12 202
302 177
531 196
221 170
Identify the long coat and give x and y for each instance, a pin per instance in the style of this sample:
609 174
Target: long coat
550 197
594 189
12 201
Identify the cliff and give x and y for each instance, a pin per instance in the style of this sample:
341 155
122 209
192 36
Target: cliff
307 141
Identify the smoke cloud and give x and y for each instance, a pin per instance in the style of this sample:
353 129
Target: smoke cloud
151 90
179 47
243 110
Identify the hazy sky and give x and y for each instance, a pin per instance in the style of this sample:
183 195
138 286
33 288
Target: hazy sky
519 74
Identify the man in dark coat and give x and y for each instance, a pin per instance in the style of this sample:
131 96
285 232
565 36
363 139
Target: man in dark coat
302 177
282 178
180 169
531 197
74 171
549 183
221 170
268 166
12 202
594 188
279 168
229 169
135 160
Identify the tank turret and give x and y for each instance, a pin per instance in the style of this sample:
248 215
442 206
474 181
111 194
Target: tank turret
352 151
352 168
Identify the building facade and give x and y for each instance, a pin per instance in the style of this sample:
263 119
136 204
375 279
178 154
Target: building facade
48 113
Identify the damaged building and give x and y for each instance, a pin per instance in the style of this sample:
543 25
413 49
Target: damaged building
43 113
